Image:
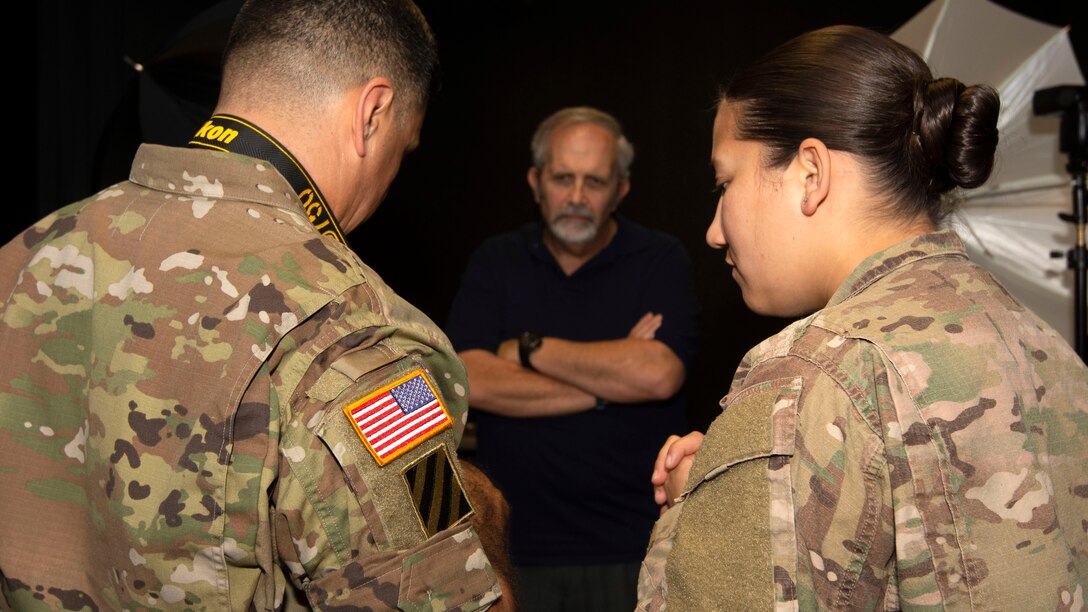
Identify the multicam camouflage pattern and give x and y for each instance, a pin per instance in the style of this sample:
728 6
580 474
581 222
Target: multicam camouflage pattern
936 457
177 351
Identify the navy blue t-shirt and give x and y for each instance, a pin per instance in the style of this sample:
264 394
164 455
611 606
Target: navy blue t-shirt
578 485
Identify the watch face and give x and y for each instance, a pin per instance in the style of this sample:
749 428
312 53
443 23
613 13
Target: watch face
533 340
527 343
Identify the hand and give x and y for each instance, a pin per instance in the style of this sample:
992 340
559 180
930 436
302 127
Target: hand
646 326
508 350
672 466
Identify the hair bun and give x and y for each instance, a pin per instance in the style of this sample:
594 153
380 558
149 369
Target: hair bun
957 129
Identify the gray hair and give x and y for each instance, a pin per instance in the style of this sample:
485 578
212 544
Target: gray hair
625 151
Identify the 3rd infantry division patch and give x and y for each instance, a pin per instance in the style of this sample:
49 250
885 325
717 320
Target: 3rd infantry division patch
437 493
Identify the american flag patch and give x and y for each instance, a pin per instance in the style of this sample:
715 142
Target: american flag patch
394 419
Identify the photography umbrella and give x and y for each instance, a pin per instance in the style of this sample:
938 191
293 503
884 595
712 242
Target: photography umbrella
178 87
1011 223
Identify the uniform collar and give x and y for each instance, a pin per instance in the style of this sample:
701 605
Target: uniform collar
935 244
197 174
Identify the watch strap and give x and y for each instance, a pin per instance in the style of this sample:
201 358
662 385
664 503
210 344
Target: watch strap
527 343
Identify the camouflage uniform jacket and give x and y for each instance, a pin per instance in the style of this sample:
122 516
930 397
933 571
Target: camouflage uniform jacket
921 443
178 352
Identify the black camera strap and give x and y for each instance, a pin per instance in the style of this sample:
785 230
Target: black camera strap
236 135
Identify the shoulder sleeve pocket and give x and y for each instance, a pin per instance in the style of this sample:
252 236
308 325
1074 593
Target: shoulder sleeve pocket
391 434
372 471
732 540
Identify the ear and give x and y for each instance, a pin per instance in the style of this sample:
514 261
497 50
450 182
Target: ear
534 182
372 111
624 189
621 191
814 171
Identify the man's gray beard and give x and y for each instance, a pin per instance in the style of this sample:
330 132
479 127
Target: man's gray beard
577 231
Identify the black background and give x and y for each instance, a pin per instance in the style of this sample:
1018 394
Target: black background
656 65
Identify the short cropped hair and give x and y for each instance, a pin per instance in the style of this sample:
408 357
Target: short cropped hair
311 49
625 151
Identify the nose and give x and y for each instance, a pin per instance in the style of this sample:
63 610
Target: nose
714 235
578 192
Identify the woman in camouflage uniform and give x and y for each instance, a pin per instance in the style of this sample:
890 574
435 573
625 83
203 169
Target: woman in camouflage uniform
918 439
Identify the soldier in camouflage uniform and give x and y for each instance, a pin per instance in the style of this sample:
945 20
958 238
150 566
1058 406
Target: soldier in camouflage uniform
920 441
207 401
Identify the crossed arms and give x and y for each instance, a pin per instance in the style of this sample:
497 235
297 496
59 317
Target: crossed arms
570 376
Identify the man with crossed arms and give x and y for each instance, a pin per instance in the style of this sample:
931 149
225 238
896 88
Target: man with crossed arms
576 331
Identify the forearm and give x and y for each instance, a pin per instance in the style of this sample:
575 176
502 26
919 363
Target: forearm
627 370
505 388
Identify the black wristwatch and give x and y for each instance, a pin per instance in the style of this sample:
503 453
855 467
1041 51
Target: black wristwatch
527 343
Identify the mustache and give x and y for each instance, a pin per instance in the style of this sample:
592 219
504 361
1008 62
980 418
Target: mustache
574 210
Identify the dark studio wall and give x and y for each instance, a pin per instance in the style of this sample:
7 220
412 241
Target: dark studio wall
655 64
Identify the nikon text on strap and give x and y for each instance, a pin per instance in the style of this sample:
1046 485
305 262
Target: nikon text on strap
236 135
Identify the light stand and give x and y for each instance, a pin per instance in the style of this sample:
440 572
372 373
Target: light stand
1072 102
